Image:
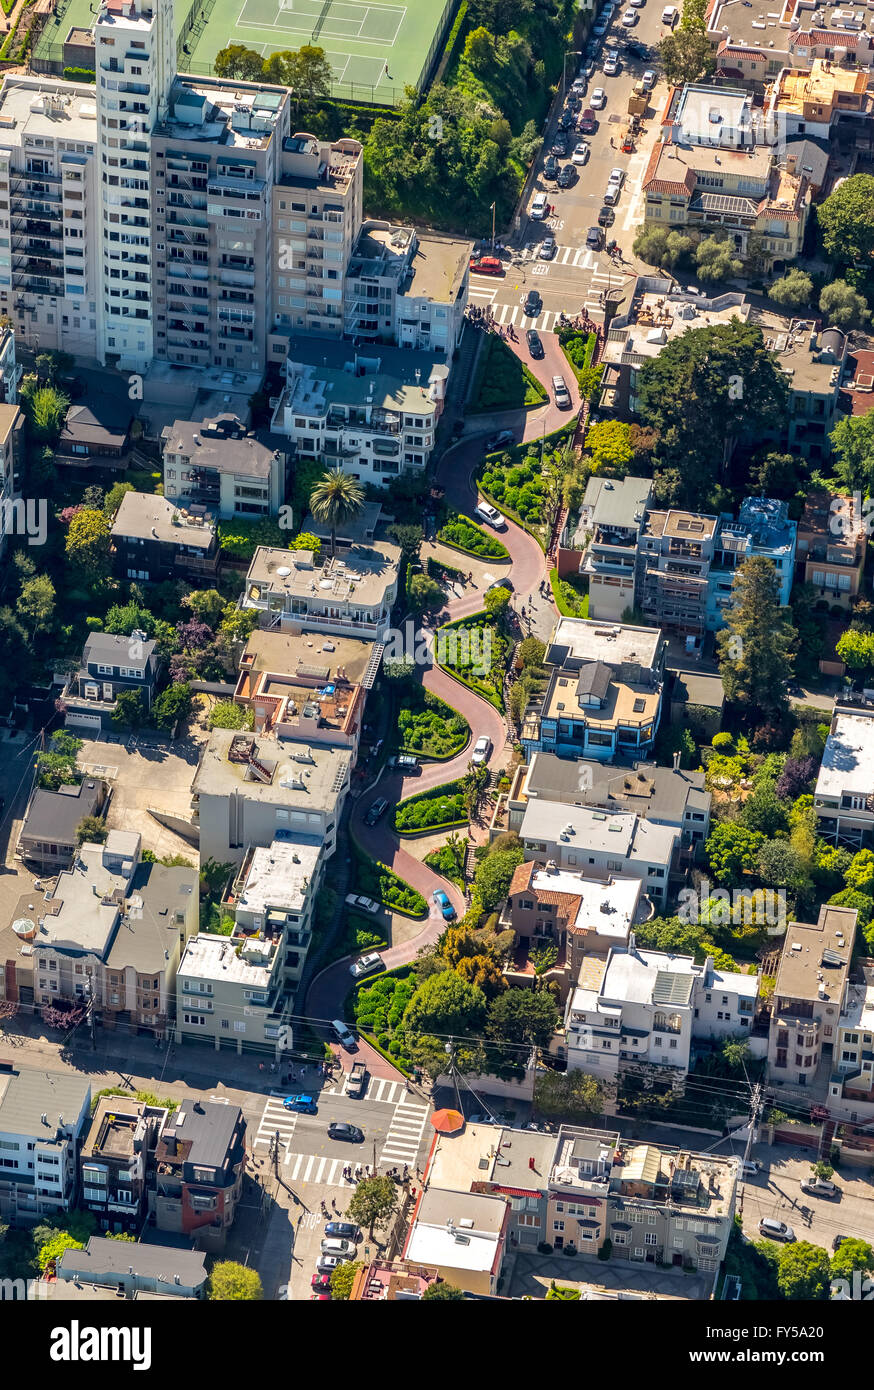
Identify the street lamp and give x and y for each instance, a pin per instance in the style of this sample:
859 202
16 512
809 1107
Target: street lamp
571 53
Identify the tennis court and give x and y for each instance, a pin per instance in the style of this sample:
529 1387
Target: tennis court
375 50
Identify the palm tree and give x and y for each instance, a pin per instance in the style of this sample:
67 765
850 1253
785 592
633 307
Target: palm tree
336 498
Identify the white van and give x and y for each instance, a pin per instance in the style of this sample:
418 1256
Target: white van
538 207
670 15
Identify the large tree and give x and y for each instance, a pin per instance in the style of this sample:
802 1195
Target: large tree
686 55
846 220
231 1282
305 70
440 1291
852 441
88 546
793 290
373 1203
445 1004
755 647
336 499
706 391
523 1016
803 1271
238 61
842 306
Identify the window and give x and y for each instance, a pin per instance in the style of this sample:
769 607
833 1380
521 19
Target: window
650 1238
558 1225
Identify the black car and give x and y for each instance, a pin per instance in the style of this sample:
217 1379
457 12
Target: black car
565 120
635 49
344 1230
567 176
550 167
376 812
595 238
499 440
533 303
347 1134
559 144
535 346
575 99
606 217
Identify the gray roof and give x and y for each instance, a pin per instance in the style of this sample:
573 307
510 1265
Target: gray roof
149 927
108 650
103 1256
55 815
25 1096
208 1127
594 679
245 456
618 502
698 688
672 988
659 793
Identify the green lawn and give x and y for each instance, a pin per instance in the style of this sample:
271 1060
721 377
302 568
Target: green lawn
429 727
571 596
503 382
462 533
437 809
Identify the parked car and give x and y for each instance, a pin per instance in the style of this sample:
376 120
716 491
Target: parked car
567 176
366 965
635 49
550 167
575 99
533 303
820 1187
344 1229
499 440
838 1242
579 86
617 176
361 904
588 122
376 811
445 906
481 749
561 393
301 1105
539 207
344 1035
648 80
611 65
326 1264
321 1282
490 515
581 152
606 217
486 265
333 1245
407 763
598 99
589 67
347 1134
670 15
775 1230
750 1167
611 194
629 19
547 248
565 121
535 346
594 238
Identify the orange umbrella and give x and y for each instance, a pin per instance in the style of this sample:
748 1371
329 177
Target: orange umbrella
447 1121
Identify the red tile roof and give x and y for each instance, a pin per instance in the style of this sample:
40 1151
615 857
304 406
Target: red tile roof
522 875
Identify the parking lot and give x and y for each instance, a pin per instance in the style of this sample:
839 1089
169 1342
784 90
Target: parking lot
776 1192
144 777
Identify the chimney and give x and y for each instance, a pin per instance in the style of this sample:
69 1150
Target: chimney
677 761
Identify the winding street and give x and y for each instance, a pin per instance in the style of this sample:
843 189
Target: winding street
527 569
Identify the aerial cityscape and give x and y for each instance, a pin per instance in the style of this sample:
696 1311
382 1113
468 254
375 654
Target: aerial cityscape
436 656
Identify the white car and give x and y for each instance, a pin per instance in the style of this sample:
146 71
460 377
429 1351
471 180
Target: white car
581 152
637 4
611 195
362 904
481 749
629 19
490 515
611 65
648 80
617 176
539 207
366 965
598 99
561 393
578 86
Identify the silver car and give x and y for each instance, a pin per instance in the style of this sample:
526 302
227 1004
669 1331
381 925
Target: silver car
481 750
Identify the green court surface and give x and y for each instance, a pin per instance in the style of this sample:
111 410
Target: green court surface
375 50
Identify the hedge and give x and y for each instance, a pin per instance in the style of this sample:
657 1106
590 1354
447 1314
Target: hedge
453 42
579 608
77 74
376 880
464 535
411 815
474 621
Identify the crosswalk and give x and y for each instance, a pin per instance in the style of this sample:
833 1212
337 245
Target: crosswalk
316 1168
275 1119
405 1132
378 1089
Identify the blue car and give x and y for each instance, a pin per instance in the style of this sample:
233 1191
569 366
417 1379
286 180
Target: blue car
304 1105
444 905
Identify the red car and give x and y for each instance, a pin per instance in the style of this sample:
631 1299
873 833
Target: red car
588 122
486 265
321 1283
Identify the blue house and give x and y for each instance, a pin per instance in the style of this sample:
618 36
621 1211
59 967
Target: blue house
762 528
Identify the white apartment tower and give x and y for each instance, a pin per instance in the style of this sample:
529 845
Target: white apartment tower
135 57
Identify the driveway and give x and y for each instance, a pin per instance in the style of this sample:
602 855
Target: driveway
533 1273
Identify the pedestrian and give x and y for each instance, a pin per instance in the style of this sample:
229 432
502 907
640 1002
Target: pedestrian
272 1067
612 145
260 1066
530 600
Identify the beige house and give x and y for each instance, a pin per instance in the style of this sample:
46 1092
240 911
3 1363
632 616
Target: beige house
810 995
463 1235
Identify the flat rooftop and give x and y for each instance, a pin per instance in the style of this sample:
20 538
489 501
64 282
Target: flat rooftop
319 165
657 318
754 26
702 110
279 877
361 575
614 644
622 703
438 1238
300 776
644 977
308 655
210 957
492 1154
28 1094
848 758
144 516
858 1012
692 527
321 375
796 90
816 957
621 834
85 905
606 908
662 793
237 115
37 106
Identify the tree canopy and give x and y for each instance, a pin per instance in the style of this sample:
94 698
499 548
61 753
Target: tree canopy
846 220
231 1282
755 646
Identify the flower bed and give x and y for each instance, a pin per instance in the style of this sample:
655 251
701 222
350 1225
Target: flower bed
464 648
503 382
570 598
437 809
463 534
429 727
